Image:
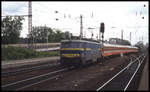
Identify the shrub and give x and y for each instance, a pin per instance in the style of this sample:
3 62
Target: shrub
15 53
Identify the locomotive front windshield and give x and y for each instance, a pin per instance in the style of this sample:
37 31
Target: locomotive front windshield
70 45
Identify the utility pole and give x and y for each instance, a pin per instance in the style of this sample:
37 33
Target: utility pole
122 36
81 27
142 38
91 31
130 37
99 35
30 22
85 34
47 36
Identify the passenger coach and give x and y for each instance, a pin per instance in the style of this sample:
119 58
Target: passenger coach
79 52
110 49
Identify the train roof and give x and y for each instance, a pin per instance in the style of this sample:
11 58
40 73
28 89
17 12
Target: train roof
115 45
79 41
105 44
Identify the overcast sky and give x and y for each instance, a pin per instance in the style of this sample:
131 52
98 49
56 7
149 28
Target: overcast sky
117 16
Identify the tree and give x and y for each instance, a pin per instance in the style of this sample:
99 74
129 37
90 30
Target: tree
11 29
126 42
39 34
67 35
140 46
59 36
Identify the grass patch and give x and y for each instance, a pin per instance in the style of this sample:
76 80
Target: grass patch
18 53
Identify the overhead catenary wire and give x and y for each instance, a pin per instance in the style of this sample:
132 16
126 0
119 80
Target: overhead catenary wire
46 10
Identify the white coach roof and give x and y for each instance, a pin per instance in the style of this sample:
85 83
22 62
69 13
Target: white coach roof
114 45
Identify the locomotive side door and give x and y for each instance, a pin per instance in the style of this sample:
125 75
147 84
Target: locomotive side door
84 53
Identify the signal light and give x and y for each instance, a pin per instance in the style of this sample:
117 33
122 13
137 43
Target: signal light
56 11
102 28
56 19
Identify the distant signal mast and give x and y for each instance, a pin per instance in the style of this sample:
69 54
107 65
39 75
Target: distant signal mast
30 22
81 27
29 19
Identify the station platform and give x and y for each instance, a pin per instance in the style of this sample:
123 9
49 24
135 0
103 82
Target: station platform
16 63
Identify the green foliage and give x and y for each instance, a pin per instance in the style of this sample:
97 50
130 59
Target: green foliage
126 42
15 53
47 54
39 35
11 28
140 46
58 36
67 35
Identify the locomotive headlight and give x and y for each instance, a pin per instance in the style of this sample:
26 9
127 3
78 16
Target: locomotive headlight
70 55
78 55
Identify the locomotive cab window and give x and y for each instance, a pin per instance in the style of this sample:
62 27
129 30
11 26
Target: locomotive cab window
71 45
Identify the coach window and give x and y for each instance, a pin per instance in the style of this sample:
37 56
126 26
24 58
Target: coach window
65 44
96 46
87 45
84 45
90 45
76 45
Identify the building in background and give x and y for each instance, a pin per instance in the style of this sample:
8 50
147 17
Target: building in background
119 41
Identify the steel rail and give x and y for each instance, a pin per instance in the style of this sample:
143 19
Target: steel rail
134 74
118 73
38 82
27 69
30 79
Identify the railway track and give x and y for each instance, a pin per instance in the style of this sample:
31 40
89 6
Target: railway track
33 81
18 85
122 80
27 69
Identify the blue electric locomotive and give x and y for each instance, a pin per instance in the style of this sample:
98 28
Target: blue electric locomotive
79 52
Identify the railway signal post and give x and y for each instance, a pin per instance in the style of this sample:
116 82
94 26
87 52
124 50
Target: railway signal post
102 28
